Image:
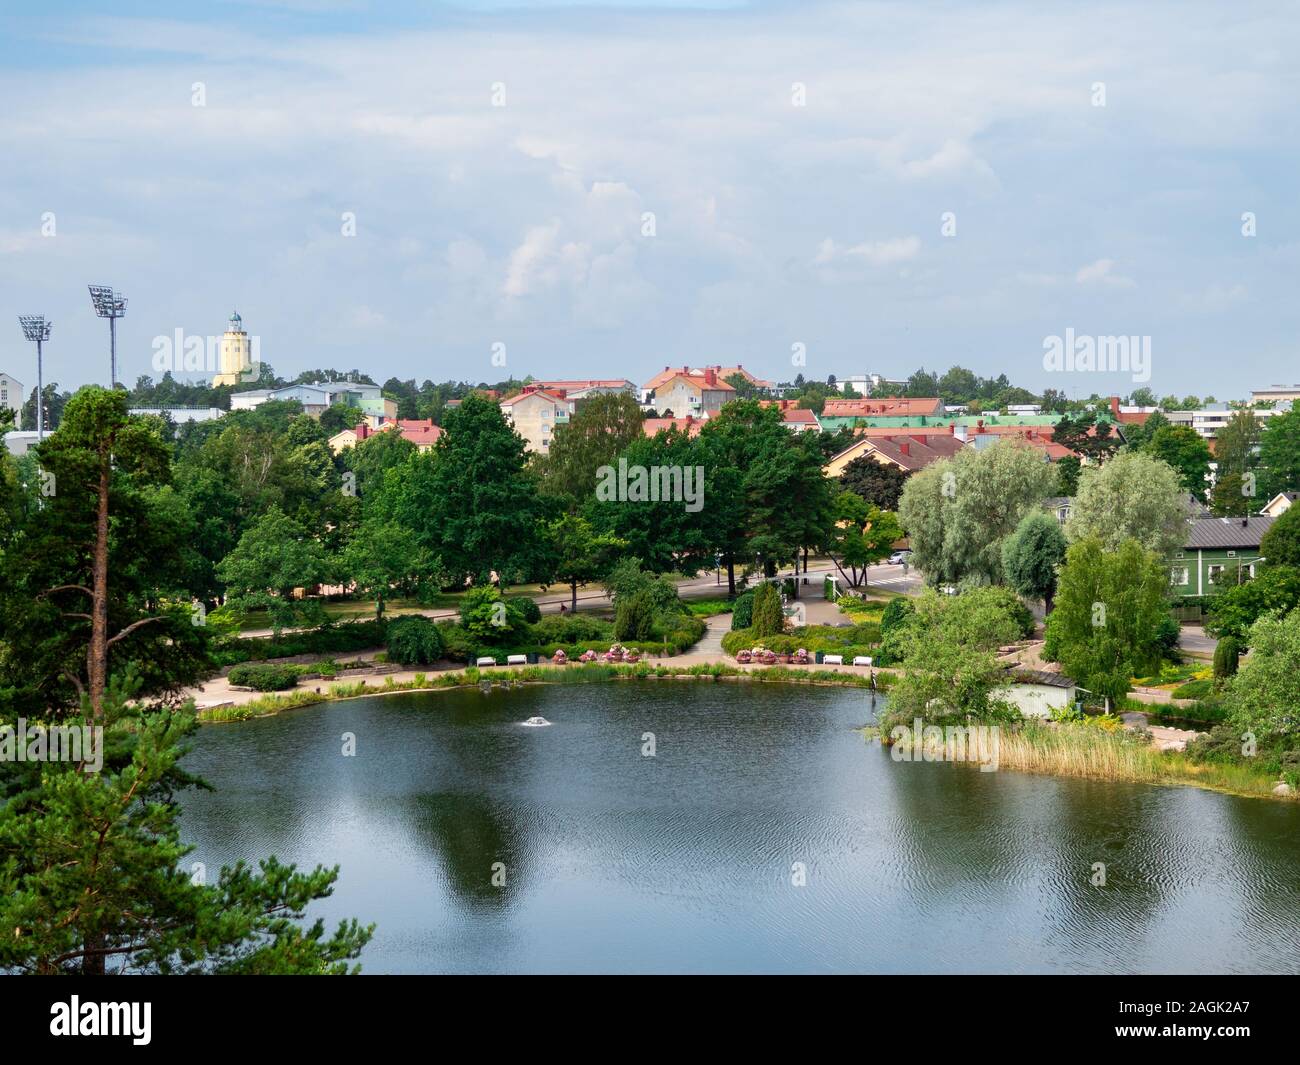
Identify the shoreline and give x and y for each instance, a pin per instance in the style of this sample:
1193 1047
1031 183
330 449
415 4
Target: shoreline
1158 768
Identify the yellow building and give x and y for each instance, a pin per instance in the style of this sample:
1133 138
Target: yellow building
236 353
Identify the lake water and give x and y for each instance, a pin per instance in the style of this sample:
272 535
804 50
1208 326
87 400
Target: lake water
682 862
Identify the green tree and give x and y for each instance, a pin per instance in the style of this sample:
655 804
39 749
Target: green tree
272 559
484 515
580 554
1264 698
1031 556
1068 468
380 556
948 646
414 640
1234 455
876 482
1279 454
1280 545
600 430
863 534
767 618
958 511
1133 496
1110 603
92 878
1276 590
339 417
95 514
1183 448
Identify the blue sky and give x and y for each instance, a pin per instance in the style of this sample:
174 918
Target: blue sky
774 224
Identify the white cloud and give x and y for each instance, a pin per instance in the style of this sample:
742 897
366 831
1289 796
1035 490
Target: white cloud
1100 273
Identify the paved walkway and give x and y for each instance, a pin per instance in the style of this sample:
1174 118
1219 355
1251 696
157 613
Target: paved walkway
1163 738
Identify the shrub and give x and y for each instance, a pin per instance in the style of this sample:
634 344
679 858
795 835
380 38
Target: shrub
528 609
265 677
1194 689
896 612
349 636
571 628
1167 633
634 617
768 619
487 617
742 613
415 640
1227 655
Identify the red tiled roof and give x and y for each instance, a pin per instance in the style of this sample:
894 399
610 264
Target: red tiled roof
529 391
576 386
690 424
881 408
720 382
916 452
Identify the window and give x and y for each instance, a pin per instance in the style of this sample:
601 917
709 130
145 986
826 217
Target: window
1178 575
1232 554
1213 572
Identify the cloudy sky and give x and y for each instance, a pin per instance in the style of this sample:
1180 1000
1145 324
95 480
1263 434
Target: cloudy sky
797 161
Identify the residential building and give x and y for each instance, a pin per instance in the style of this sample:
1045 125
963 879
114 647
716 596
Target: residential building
180 415
581 389
690 425
420 431
236 353
11 395
1275 394
1059 507
796 418
1024 408
1279 504
686 391
910 451
1209 420
1219 551
318 396
535 412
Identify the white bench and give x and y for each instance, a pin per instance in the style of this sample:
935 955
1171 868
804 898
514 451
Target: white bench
516 660
862 660
832 660
485 661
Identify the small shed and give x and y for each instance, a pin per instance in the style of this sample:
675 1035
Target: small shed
1038 692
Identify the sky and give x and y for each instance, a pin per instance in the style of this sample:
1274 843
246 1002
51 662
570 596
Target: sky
606 189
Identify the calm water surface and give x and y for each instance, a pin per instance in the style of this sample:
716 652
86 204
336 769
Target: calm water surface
682 862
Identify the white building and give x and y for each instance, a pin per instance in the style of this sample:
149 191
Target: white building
1037 692
11 394
178 415
19 443
1209 420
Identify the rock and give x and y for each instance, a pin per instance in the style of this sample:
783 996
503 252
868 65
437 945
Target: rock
1283 789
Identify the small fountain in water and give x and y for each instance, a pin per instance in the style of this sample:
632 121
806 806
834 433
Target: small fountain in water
536 722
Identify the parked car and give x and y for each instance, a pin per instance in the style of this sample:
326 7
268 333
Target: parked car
900 556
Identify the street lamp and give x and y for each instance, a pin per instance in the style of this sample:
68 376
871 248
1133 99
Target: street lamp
37 329
109 304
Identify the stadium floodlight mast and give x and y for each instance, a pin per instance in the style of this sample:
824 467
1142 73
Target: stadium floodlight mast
37 329
111 305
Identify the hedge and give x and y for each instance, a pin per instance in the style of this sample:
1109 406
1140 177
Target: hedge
265 678
346 636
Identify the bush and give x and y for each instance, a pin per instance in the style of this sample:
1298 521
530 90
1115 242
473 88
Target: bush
1194 689
1167 633
1227 656
742 613
487 617
896 612
571 628
768 619
265 678
528 609
415 640
634 617
328 639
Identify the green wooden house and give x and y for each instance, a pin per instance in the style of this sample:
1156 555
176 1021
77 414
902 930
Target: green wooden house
1220 552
